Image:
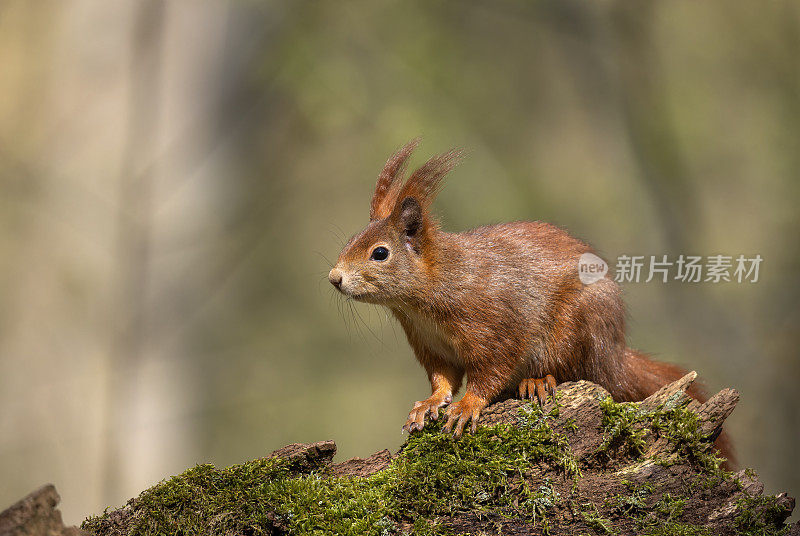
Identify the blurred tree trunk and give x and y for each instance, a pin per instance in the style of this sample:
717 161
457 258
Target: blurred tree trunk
133 236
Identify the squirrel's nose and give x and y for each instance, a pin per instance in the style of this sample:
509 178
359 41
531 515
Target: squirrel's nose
335 277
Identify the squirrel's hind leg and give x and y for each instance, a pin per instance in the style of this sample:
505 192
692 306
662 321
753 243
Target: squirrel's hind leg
538 387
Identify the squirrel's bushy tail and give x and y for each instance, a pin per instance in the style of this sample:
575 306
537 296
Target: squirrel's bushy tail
646 376
649 376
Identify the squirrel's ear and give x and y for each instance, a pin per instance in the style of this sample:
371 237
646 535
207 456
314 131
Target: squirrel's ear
390 181
425 182
410 219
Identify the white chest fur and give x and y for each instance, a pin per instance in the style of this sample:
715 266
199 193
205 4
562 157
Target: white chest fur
430 334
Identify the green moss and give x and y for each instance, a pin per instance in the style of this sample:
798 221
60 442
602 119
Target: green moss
670 507
569 424
593 519
422 527
621 424
759 516
643 489
626 505
241 499
660 518
539 502
437 475
626 426
434 475
683 429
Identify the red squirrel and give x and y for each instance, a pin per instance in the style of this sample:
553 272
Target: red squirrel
501 304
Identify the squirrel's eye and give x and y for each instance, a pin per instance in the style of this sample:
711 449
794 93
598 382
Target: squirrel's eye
380 253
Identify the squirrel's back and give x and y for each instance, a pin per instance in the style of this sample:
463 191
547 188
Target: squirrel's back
520 261
513 288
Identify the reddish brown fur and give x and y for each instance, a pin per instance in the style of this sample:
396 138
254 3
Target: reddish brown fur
496 304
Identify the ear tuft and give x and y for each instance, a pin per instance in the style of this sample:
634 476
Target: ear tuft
426 181
390 181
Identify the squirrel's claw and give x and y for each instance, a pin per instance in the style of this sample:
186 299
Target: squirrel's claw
429 406
538 387
468 408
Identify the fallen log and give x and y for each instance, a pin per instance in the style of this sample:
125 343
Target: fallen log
582 464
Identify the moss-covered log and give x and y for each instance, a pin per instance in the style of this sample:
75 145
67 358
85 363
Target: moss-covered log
582 464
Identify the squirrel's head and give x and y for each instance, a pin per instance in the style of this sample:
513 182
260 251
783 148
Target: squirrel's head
390 259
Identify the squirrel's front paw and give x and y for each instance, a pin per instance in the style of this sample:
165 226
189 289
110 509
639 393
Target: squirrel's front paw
431 405
467 408
539 387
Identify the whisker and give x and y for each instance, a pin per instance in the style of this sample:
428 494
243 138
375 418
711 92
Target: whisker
356 327
378 311
333 296
338 234
340 307
326 259
323 278
357 334
366 325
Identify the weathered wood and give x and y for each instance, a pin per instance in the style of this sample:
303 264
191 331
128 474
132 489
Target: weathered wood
670 396
714 412
36 515
362 467
304 457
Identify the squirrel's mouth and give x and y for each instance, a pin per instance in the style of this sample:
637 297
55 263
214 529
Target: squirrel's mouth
354 286
364 297
358 296
359 292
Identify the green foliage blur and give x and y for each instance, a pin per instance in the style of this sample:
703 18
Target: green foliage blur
177 178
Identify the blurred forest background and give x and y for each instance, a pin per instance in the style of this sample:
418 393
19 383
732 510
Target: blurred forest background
177 177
